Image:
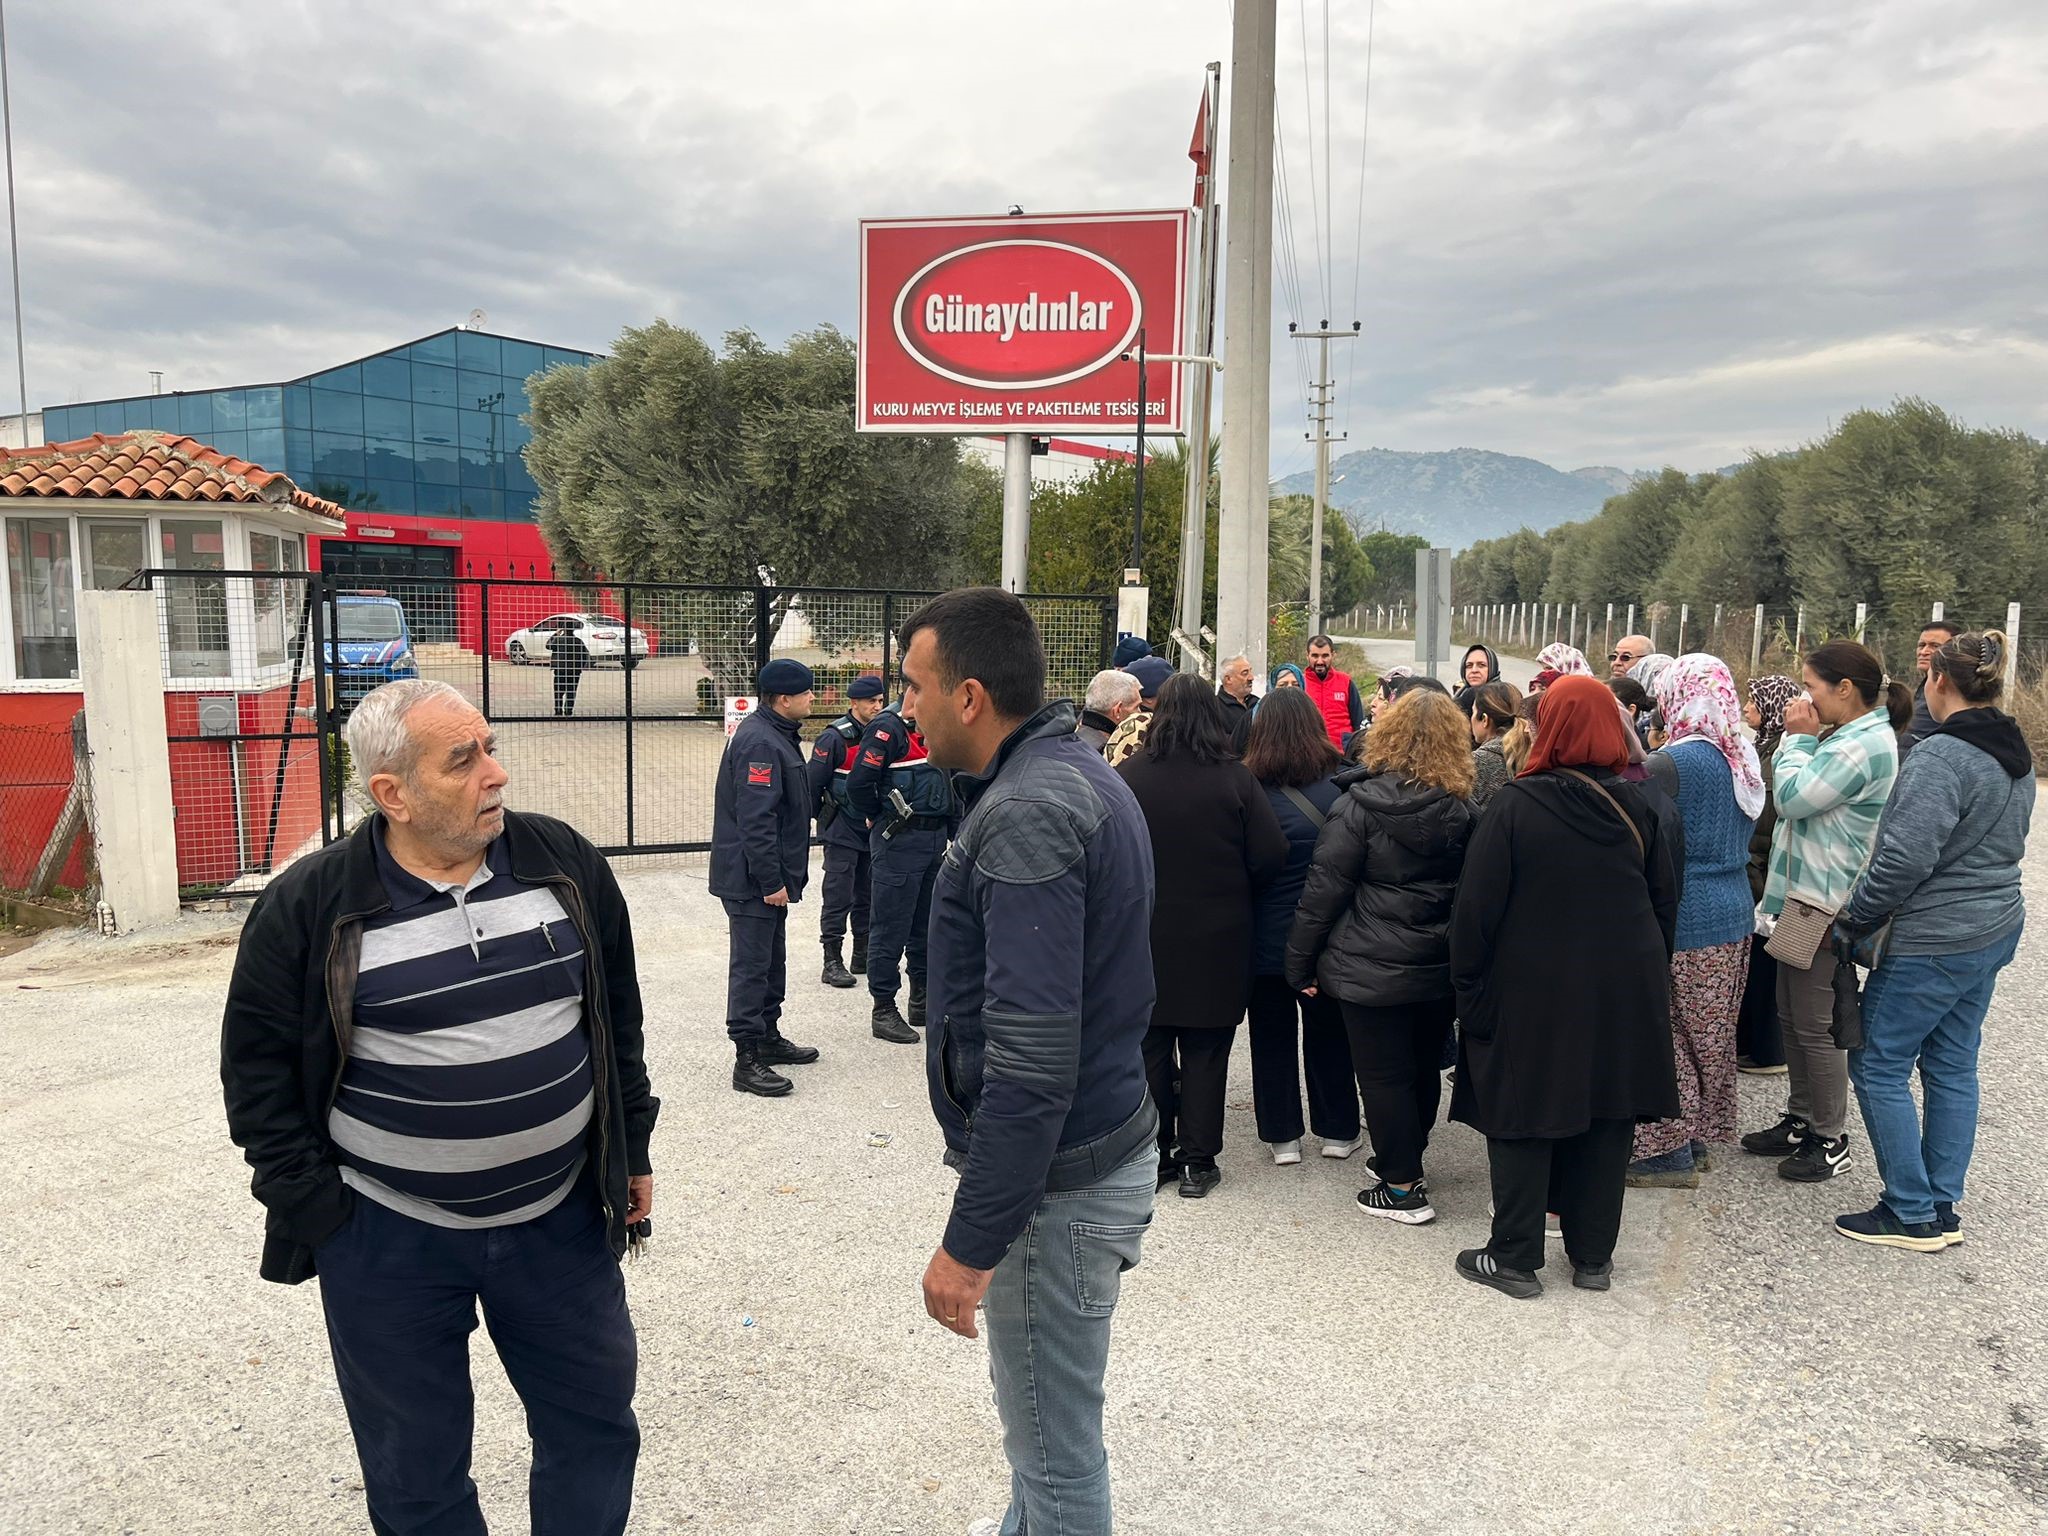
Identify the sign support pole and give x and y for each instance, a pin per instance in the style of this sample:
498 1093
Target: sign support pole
1016 509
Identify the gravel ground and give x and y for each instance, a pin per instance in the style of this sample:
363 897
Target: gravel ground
1283 1365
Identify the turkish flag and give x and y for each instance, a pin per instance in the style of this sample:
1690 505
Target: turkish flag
1198 147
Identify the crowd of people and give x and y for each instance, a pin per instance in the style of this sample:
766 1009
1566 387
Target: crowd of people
1395 903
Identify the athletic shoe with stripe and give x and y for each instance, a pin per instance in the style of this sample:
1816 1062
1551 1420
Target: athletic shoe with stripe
1411 1207
1880 1225
1482 1268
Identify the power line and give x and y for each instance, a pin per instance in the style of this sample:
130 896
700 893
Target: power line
1308 109
1358 216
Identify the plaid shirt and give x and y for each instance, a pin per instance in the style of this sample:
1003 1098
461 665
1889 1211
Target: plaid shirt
1829 795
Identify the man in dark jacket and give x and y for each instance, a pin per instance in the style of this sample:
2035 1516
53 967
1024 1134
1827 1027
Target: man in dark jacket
431 1054
1234 693
1041 989
760 861
1934 634
849 872
907 802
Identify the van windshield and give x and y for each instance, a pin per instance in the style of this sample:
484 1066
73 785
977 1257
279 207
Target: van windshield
370 621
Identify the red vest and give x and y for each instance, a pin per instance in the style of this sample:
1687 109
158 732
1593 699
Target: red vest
1332 695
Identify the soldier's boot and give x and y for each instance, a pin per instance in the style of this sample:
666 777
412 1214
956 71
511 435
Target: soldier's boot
836 973
776 1051
751 1075
916 1003
859 964
889 1024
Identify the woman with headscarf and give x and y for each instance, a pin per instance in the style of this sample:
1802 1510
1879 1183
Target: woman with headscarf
1479 668
1710 770
1564 660
1286 675
1649 671
1556 1075
1759 1039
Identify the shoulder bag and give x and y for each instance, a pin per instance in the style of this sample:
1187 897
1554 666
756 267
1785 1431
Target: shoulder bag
1306 806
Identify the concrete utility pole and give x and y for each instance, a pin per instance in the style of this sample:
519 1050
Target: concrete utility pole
1241 612
1324 387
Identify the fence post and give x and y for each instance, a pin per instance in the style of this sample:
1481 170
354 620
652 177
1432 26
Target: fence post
133 822
1720 634
483 609
1799 633
630 664
1756 642
1631 619
1862 619
2012 650
1575 624
1941 610
764 616
1684 613
888 638
1608 643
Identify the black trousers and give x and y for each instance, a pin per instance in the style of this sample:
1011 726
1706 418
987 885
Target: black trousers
1580 1177
1187 1070
1758 1033
1282 1019
567 681
756 976
849 883
1398 1053
900 923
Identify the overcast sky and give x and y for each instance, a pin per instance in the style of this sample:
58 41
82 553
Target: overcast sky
1616 233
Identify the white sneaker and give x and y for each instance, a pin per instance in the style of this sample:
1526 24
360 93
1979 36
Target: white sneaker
1342 1148
1286 1153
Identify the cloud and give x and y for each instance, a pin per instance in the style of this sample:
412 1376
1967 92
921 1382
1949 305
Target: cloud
1592 232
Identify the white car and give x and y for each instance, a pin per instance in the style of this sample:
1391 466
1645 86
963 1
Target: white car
603 636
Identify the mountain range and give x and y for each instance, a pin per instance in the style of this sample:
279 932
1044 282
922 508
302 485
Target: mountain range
1458 497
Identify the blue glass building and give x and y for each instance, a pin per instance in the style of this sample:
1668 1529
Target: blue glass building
430 429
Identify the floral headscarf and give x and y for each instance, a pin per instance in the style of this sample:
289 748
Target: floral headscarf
1648 671
1770 695
1564 660
1697 696
1392 676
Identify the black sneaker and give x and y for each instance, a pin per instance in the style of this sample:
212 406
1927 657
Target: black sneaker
1372 1166
889 1025
1411 1209
1481 1268
1879 1225
1950 1223
1197 1179
1817 1160
1781 1140
1593 1277
1169 1172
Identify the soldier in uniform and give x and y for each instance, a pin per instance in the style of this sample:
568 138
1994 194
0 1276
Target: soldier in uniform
908 802
849 871
760 859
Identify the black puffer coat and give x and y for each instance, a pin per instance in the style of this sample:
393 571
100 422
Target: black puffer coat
1374 915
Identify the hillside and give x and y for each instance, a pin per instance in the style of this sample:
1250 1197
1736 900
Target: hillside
1457 497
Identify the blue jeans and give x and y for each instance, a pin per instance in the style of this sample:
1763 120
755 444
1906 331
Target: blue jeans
1048 1310
1924 1010
400 1298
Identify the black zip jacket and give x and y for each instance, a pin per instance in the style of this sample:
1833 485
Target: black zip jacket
761 812
284 1036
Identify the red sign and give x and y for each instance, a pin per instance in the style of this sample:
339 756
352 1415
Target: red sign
1020 324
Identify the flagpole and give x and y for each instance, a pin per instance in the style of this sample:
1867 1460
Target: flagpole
1194 534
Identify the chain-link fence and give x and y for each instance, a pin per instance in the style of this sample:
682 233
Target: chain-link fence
46 811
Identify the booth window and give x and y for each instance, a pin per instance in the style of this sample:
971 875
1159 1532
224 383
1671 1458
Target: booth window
39 590
195 607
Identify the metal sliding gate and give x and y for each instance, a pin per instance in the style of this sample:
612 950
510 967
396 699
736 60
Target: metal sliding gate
609 701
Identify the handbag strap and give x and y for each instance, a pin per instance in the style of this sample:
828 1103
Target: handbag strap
1306 806
1642 852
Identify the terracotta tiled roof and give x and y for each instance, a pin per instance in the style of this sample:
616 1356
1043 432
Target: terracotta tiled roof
149 466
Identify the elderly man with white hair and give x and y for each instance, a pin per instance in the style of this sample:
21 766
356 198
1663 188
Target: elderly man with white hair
432 1060
1234 693
1111 699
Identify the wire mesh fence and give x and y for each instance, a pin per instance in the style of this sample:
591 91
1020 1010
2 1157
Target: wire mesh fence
46 809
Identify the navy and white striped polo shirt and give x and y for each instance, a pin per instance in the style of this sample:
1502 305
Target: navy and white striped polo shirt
468 1091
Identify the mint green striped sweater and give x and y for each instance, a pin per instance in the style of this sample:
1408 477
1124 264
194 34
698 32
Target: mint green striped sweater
1829 795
